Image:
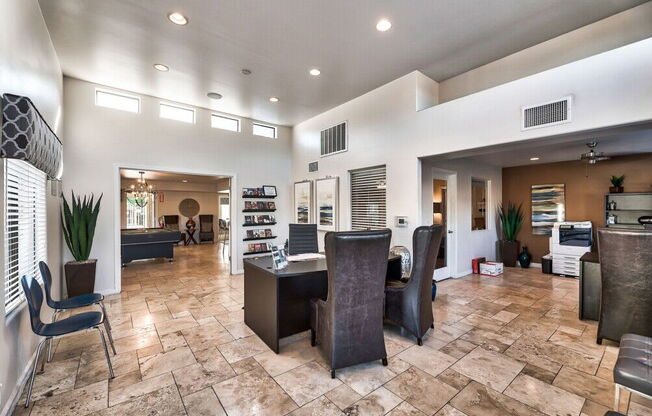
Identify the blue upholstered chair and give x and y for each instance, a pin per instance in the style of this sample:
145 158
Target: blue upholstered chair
71 303
75 323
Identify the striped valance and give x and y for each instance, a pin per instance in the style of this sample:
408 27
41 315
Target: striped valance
26 136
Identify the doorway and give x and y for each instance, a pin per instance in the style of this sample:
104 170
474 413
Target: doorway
443 194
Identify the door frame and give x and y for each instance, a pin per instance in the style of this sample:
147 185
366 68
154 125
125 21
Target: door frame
451 222
117 219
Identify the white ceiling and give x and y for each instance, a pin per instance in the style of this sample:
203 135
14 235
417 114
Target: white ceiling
116 42
562 149
151 175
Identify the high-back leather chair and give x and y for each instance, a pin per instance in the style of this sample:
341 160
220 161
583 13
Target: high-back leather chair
626 269
172 223
409 304
206 228
348 325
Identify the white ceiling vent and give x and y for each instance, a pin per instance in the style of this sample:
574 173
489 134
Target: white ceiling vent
547 114
334 140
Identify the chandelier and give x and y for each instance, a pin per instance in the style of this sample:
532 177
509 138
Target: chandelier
141 191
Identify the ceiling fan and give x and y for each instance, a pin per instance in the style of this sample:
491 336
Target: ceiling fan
593 157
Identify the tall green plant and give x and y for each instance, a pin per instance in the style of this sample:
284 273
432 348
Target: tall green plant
511 220
79 225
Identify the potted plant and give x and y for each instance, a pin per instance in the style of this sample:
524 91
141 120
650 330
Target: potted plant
78 230
617 182
511 219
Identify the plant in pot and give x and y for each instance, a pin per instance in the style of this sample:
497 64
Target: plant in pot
617 182
78 230
511 219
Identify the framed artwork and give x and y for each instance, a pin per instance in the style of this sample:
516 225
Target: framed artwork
326 195
269 190
303 202
548 207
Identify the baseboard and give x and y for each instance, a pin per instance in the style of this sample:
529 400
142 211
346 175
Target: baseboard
18 388
464 273
239 271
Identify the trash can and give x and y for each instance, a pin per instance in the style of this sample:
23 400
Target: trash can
546 264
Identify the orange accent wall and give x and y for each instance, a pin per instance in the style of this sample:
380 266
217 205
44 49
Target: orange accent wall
584 195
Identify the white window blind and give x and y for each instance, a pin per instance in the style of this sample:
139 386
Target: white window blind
25 234
368 198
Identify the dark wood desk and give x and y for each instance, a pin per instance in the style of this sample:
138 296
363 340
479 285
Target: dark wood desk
590 287
277 302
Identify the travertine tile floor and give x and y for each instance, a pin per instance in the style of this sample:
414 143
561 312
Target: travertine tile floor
502 346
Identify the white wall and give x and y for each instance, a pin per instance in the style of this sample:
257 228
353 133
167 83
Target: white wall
629 26
28 66
99 140
610 89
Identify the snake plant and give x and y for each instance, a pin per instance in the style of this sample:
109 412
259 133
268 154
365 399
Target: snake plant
79 225
511 220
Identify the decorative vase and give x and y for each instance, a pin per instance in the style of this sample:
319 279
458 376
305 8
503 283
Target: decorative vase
80 277
616 189
191 224
525 258
509 252
406 260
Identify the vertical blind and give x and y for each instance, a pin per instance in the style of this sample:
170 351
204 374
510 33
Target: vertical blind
25 234
368 198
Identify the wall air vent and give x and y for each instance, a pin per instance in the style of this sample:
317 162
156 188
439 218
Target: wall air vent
547 114
334 140
313 166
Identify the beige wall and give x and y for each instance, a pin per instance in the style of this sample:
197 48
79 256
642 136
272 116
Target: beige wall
28 66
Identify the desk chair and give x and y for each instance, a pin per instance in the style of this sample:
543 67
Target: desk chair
75 323
409 303
224 233
71 303
633 369
348 325
206 228
303 239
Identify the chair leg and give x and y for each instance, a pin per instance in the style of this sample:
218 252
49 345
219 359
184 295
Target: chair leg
419 341
106 317
313 338
108 334
332 373
385 363
31 380
49 357
106 352
617 397
432 325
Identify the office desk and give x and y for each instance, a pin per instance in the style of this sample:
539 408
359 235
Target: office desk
277 302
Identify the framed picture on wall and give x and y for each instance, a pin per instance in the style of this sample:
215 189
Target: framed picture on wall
548 207
326 197
269 190
303 202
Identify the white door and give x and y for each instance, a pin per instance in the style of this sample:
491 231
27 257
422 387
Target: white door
444 186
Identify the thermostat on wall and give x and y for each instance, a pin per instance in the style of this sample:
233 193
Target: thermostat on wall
401 221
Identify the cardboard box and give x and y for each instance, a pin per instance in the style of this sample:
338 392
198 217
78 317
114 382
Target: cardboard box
491 268
475 264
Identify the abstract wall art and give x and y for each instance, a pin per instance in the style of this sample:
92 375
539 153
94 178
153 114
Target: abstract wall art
548 207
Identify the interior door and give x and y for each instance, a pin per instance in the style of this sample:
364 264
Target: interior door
442 198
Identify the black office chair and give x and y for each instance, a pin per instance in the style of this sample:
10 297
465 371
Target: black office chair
71 303
206 228
348 325
75 323
303 239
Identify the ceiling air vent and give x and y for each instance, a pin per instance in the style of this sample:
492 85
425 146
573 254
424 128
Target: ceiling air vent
313 166
547 114
334 140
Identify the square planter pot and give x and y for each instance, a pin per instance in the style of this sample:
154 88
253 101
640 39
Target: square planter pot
80 277
509 252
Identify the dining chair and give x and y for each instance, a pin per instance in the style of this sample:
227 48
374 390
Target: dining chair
75 302
75 323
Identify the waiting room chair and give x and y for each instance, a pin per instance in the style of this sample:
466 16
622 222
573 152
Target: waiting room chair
303 239
206 228
626 272
172 223
223 232
348 325
409 303
71 303
75 323
633 368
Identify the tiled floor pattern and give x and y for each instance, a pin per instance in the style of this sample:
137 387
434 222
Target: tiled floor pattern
502 346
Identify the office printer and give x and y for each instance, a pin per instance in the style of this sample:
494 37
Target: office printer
569 241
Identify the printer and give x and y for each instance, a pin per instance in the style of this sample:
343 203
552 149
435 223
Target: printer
570 241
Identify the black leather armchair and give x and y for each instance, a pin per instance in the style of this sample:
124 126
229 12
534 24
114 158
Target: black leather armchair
172 223
348 325
409 304
206 228
626 268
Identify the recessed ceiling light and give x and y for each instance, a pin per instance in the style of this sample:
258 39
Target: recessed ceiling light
383 25
161 67
534 158
314 72
214 95
273 99
177 18
184 180
245 71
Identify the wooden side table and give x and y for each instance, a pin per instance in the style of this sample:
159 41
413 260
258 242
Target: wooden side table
191 237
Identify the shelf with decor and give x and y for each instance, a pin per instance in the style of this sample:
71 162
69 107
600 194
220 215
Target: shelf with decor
259 210
259 238
249 253
625 208
258 225
258 197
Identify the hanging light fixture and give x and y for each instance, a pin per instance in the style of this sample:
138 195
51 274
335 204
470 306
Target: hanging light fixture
141 191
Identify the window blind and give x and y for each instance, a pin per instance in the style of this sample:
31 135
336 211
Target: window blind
368 198
25 234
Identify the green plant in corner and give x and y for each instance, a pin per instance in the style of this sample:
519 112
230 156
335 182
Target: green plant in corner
617 181
511 220
79 225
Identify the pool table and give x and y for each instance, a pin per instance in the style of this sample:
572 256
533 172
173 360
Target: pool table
148 243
